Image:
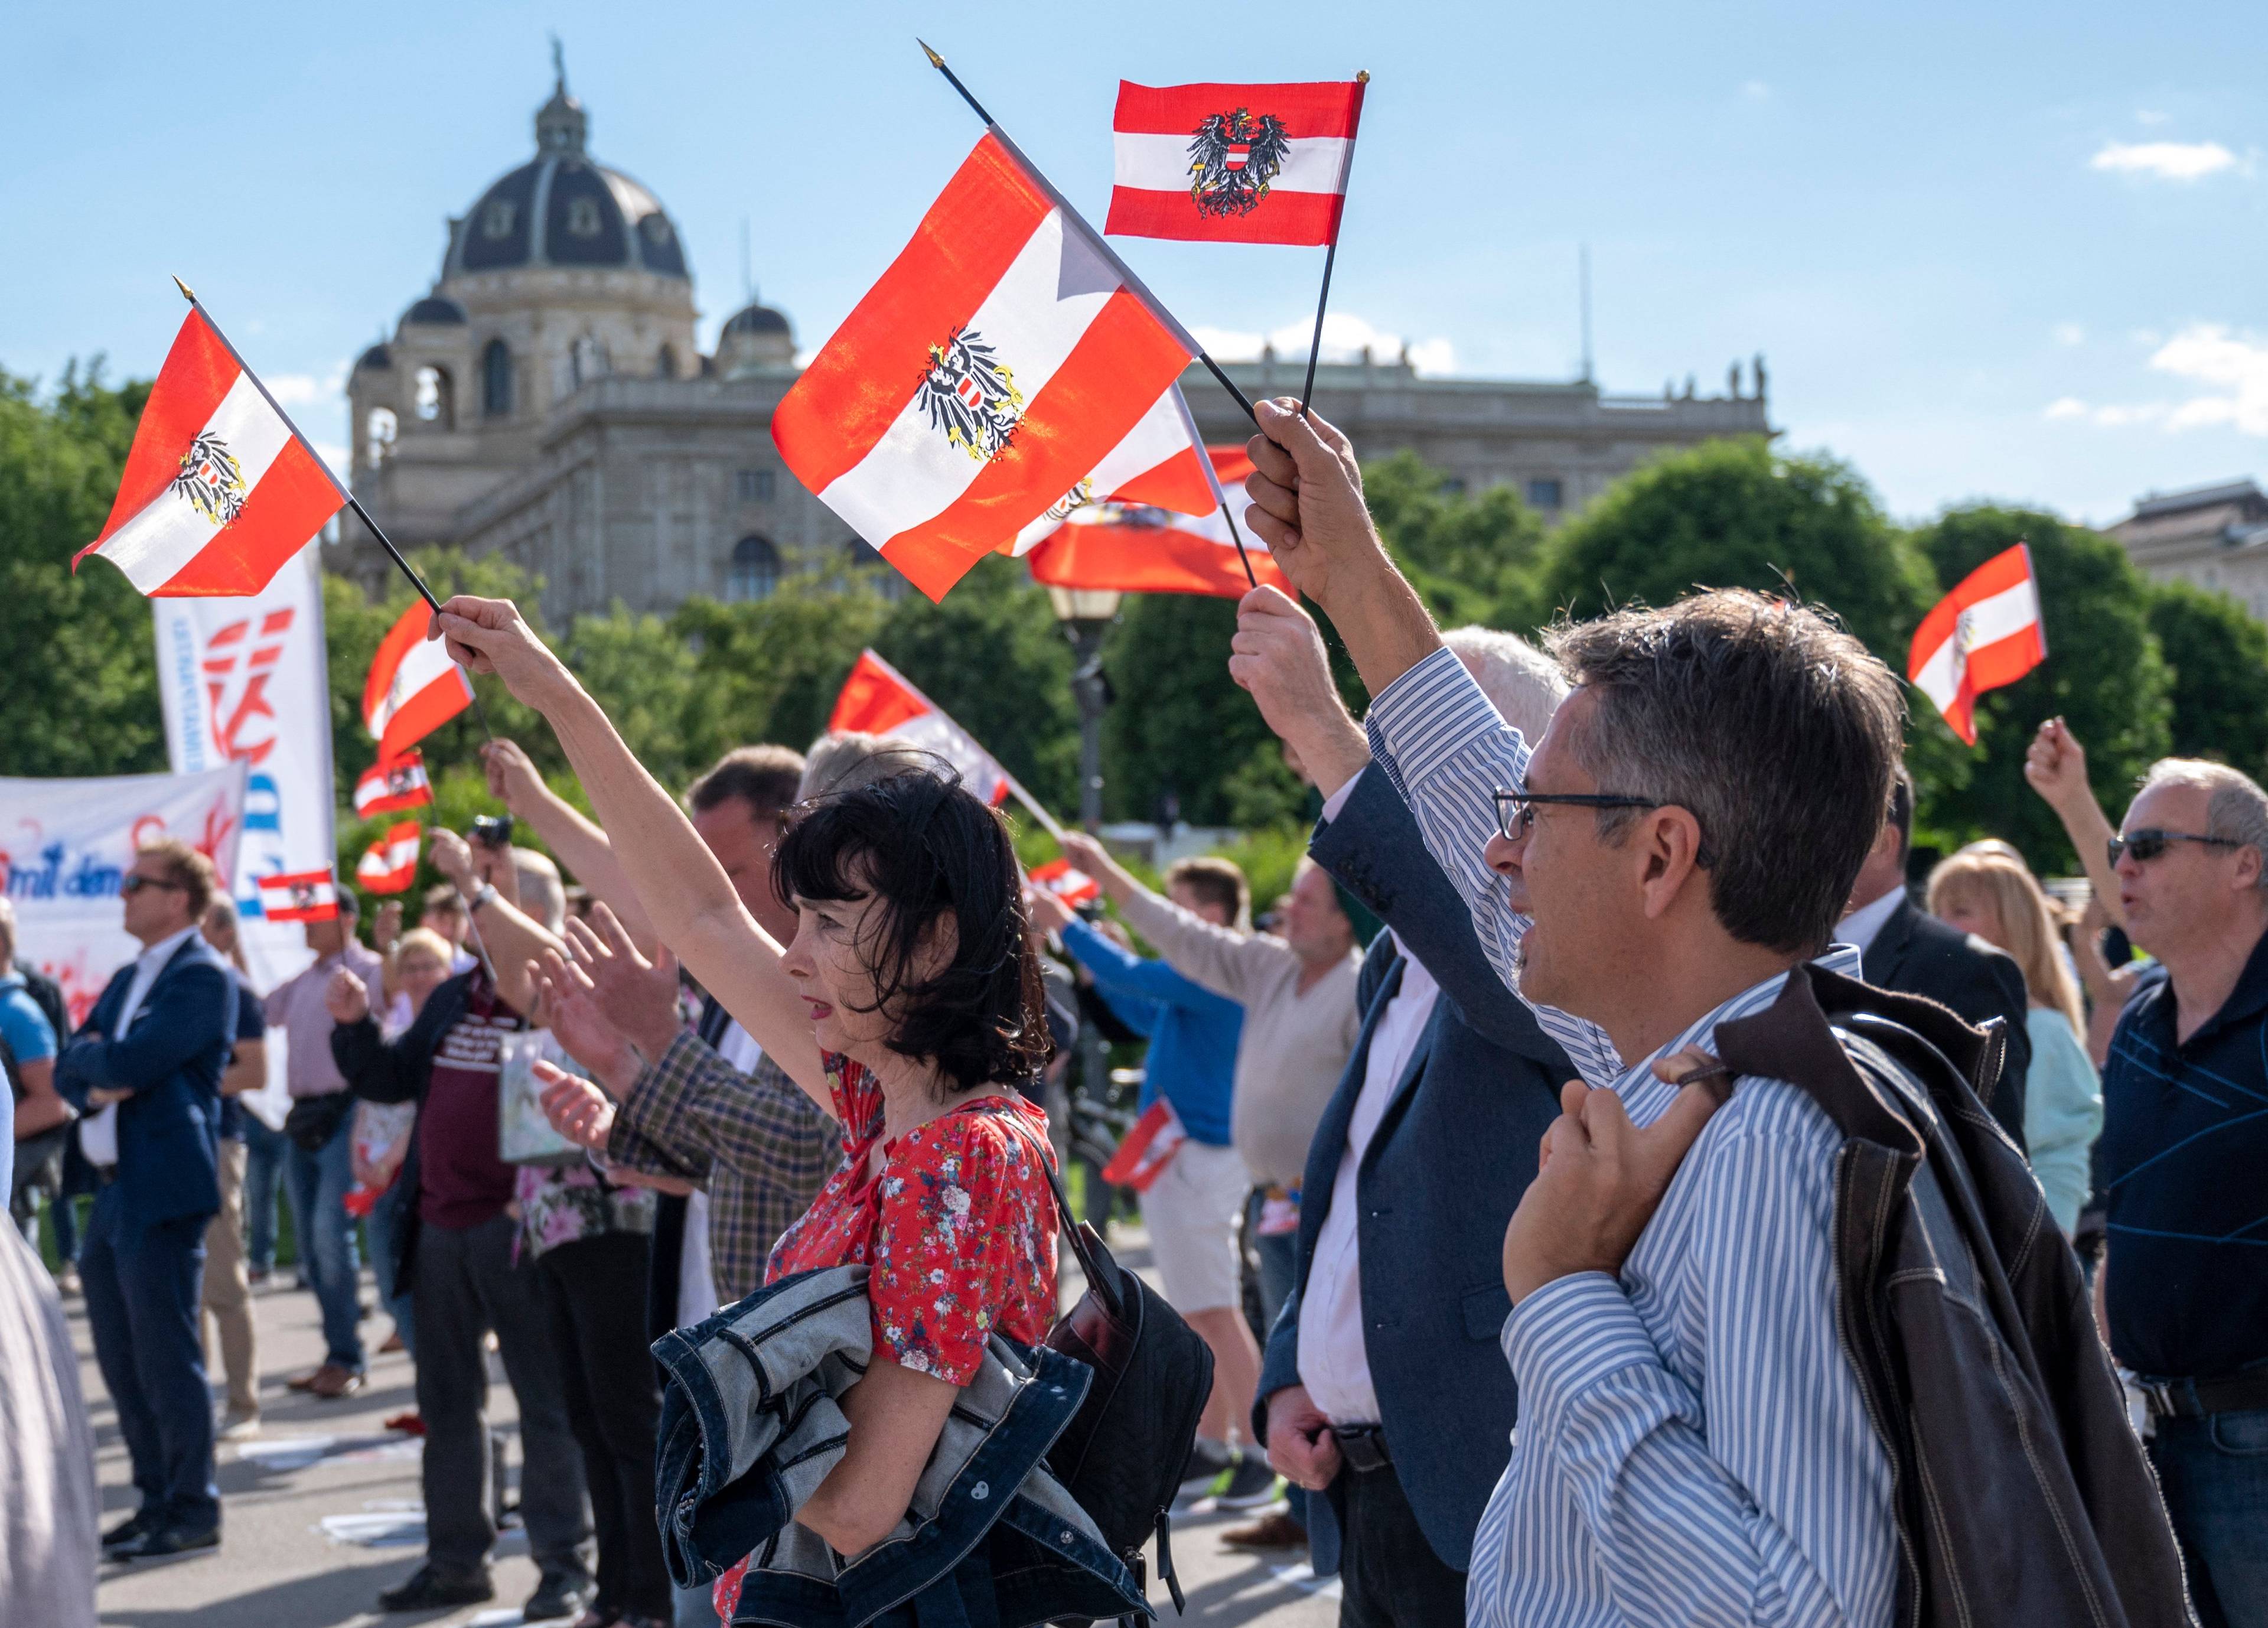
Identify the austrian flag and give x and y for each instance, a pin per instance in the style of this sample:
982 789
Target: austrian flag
390 787
877 699
391 864
1987 632
302 895
219 490
1233 163
413 687
1002 356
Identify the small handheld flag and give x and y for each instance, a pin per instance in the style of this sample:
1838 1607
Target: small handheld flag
877 699
302 895
1136 548
1073 887
391 787
413 687
1987 632
1233 163
391 864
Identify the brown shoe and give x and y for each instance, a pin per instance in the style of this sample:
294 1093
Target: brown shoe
332 1383
393 1343
1276 1531
306 1382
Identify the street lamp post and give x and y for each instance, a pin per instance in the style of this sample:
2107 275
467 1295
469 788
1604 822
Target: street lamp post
1085 616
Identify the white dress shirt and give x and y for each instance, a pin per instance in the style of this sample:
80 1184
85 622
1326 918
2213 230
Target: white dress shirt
1862 926
98 1135
1334 1363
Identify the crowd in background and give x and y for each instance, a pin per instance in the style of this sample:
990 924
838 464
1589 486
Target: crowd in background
1350 1092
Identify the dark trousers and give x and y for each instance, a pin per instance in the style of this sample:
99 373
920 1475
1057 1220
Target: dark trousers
465 1284
595 1290
142 1286
1389 1576
2213 1473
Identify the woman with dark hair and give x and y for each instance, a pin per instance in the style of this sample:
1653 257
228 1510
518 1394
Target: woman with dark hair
910 1006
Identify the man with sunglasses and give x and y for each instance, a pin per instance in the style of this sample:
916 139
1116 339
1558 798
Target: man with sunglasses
2182 1162
146 1067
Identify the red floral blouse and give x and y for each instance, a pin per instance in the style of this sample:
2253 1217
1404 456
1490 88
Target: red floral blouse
958 1231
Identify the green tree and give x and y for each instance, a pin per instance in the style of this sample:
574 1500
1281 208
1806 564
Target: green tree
2219 658
1472 559
2103 674
79 694
768 670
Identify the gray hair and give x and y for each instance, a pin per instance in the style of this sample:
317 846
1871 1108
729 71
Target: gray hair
2236 807
1524 685
542 896
844 760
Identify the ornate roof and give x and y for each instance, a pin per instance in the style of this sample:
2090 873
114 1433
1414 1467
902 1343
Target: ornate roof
437 309
756 320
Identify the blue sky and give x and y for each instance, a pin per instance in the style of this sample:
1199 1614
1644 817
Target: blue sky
2011 251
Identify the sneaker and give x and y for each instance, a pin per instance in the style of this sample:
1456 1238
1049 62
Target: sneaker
133 1530
1276 1531
1249 1484
431 1590
235 1426
1209 1461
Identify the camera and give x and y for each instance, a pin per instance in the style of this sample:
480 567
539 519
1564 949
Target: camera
492 831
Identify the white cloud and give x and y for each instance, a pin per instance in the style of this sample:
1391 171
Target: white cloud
2069 334
1755 91
2235 364
2150 116
2166 160
301 389
333 457
1344 335
2067 407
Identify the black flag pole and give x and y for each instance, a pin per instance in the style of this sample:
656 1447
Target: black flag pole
1331 258
1136 283
352 502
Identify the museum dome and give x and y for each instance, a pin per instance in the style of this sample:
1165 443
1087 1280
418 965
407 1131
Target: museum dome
562 210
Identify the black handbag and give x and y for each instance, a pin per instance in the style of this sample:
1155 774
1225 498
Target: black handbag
314 1121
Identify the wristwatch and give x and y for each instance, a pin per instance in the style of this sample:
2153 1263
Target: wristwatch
486 894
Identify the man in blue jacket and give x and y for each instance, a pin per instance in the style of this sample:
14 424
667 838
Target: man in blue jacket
146 1068
1383 1386
1191 1209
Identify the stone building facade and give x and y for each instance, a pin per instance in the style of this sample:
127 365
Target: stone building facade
546 402
2215 536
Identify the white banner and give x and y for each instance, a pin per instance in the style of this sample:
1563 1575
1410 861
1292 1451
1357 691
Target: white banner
248 681
65 845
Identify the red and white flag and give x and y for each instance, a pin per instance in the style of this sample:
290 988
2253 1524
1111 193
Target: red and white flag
391 864
413 687
879 700
219 490
1232 163
1138 548
1987 632
1160 464
303 895
1073 887
1148 1147
1001 359
390 787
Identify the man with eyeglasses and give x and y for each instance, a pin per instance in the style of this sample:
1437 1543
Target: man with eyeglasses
146 1067
2182 1162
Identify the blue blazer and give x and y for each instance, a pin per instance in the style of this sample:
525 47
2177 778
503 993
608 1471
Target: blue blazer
171 1059
1437 1185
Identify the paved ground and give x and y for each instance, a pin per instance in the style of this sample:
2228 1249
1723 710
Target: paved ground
322 1511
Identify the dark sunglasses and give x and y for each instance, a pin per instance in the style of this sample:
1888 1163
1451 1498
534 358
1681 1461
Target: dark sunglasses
2147 844
134 883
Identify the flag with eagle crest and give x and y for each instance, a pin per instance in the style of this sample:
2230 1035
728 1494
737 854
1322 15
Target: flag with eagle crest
1004 355
219 490
1232 163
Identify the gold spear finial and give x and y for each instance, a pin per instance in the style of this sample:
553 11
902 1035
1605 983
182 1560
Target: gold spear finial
1363 78
935 61
184 287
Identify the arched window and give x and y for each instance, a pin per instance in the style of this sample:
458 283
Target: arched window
666 366
756 570
495 379
435 400
378 437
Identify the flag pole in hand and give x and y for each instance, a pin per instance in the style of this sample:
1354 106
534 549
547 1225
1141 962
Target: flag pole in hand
353 502
1331 258
1095 237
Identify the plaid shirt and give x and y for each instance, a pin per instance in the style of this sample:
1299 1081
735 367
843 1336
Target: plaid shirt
758 1146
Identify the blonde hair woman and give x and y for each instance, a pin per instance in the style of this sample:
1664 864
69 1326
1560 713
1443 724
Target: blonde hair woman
1989 892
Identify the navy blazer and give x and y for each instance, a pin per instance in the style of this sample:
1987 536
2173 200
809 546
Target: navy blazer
1451 1157
171 1058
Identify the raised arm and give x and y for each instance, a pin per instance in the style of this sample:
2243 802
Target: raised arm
2055 765
686 893
511 938
1224 961
576 842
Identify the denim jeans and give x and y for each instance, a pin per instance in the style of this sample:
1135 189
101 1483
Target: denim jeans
386 1218
2215 1474
263 1172
318 1184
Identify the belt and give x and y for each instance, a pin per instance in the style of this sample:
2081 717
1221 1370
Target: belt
1363 1447
2234 1393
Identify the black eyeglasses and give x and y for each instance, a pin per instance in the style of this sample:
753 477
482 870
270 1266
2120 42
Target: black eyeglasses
1515 811
2147 845
136 882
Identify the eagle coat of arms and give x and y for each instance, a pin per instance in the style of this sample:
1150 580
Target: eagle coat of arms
1234 161
971 396
211 481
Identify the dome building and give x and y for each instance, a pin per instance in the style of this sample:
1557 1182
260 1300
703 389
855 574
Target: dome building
546 402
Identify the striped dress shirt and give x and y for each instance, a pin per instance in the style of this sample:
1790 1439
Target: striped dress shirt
1693 1447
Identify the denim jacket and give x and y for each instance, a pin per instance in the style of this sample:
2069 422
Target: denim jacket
751 1423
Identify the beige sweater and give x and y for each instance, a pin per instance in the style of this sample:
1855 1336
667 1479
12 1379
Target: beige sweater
1294 1046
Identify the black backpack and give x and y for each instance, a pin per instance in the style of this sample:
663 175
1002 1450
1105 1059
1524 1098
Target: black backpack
1122 1456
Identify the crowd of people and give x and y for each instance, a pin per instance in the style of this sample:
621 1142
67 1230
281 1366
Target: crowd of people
1618 1184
